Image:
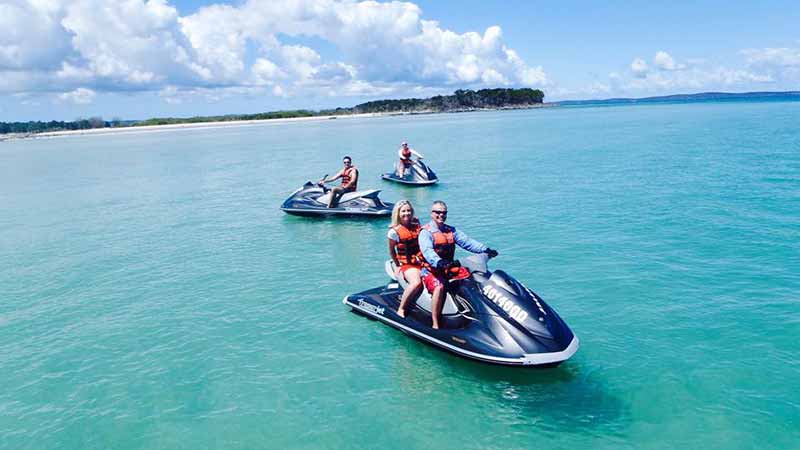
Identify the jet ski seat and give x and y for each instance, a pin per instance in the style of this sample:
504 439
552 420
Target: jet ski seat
346 196
424 301
356 194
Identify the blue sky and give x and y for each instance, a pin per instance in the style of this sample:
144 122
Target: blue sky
134 59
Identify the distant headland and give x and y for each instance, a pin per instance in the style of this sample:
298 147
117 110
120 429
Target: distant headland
686 98
461 100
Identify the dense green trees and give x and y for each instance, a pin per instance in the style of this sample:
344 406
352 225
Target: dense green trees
461 100
53 125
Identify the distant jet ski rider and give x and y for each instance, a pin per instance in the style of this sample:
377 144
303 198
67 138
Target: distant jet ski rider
437 242
349 176
405 153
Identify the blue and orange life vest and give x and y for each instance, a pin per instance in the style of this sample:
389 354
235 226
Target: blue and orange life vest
444 242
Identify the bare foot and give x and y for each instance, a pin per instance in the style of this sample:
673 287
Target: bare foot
401 313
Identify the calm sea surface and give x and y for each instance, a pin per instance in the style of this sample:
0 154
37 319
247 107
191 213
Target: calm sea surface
153 296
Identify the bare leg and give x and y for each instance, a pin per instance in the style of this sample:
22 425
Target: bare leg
336 192
412 291
437 304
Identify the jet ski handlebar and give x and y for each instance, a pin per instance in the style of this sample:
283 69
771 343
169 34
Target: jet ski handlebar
321 183
462 269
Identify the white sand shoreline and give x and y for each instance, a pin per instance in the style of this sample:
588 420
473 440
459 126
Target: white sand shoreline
231 123
180 126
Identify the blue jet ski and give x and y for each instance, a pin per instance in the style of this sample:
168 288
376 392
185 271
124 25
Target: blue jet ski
311 200
418 174
489 317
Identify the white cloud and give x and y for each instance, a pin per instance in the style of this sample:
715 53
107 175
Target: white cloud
639 68
80 96
138 45
31 36
266 72
664 61
130 43
762 69
780 57
171 95
671 76
299 61
705 78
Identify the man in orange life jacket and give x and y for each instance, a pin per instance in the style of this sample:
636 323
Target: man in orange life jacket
349 176
437 242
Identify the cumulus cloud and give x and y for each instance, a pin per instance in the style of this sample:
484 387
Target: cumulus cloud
32 37
80 96
639 68
666 75
664 61
146 45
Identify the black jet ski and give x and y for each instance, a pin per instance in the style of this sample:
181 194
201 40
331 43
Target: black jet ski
489 317
312 200
418 174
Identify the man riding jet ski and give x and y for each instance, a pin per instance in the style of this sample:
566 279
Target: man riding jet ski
317 200
409 171
349 176
468 310
312 200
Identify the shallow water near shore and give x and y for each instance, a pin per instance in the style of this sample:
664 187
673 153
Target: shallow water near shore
154 296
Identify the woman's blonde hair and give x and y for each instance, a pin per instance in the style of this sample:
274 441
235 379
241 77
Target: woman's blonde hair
396 212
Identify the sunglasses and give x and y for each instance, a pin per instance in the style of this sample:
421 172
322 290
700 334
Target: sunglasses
443 213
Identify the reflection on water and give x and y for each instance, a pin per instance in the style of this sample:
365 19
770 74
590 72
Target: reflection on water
547 400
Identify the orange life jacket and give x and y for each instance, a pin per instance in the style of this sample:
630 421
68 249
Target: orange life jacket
407 248
444 242
406 158
347 175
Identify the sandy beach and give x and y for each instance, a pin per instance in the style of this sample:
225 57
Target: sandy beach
234 123
181 126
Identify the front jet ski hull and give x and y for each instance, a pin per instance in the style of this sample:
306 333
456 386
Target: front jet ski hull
476 327
391 176
336 212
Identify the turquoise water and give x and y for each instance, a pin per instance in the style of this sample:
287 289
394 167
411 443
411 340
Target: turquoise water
154 297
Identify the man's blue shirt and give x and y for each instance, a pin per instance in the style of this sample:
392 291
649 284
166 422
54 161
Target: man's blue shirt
461 239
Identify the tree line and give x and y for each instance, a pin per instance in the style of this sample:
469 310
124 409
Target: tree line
57 125
461 100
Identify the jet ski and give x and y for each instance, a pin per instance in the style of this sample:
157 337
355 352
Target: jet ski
418 174
312 200
488 316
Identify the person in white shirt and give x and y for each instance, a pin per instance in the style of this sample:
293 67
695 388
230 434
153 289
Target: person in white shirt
405 153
